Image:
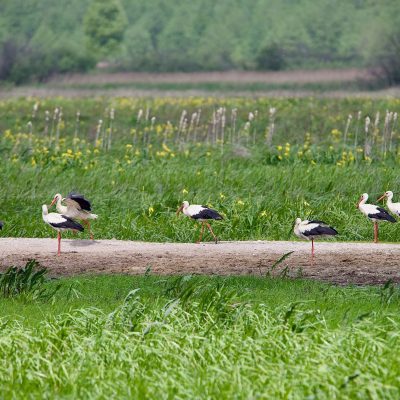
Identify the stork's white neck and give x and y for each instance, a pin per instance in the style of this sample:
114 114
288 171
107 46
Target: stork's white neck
389 198
60 208
363 201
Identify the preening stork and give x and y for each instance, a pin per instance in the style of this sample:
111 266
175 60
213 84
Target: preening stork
60 223
202 214
374 213
312 229
393 207
77 207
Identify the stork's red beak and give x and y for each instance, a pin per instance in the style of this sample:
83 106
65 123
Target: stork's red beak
54 200
179 210
382 197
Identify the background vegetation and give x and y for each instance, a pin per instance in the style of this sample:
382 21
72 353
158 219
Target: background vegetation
260 162
42 37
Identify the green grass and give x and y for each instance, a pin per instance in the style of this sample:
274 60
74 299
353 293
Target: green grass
136 186
224 87
201 337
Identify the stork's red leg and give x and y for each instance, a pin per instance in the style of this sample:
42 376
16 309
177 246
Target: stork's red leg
376 232
59 243
90 232
312 247
87 223
212 233
201 232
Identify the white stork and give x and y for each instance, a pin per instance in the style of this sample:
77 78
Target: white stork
202 214
374 213
393 207
60 223
77 208
312 229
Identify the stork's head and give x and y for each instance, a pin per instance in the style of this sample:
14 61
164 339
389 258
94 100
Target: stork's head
185 204
387 194
298 221
363 199
56 198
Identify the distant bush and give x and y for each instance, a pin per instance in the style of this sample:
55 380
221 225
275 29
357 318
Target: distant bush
387 59
271 57
20 63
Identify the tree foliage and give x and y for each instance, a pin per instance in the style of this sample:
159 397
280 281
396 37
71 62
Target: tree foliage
155 35
105 24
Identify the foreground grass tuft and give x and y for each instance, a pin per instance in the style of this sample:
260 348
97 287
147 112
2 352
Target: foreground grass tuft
201 337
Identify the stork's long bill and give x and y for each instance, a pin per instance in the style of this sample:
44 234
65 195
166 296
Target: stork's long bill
179 210
382 197
54 200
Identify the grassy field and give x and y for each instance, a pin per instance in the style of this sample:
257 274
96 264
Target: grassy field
260 162
193 337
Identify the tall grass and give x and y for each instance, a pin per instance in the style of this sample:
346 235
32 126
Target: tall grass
260 162
192 337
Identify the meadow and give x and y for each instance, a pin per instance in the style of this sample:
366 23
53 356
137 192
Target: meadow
261 162
200 337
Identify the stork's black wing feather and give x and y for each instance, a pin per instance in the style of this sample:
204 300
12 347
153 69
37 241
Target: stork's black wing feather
382 215
80 199
321 230
1 224
314 221
208 213
68 224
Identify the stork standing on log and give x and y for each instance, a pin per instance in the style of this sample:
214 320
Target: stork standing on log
394 208
374 213
60 223
202 214
312 229
77 207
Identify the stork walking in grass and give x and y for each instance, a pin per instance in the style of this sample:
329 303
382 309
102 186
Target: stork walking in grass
394 208
202 214
312 229
77 207
60 223
374 213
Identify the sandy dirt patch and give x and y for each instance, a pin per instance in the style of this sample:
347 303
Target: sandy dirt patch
343 263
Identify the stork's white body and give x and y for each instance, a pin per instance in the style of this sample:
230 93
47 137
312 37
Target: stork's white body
370 211
375 213
60 223
393 207
54 220
202 214
302 228
73 209
309 230
193 210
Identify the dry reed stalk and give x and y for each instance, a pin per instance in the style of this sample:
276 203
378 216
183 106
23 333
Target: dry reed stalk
367 146
271 127
357 129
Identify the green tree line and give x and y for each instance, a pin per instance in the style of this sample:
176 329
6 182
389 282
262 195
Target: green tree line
42 37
